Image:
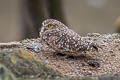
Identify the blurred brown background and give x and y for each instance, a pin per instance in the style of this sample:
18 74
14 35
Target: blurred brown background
20 19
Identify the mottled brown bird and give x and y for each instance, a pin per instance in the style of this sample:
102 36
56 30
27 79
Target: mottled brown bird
64 40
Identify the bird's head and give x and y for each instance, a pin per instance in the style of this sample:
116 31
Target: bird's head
51 24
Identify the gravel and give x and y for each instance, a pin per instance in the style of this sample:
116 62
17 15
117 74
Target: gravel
105 61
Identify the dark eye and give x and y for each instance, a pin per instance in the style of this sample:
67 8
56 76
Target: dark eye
50 25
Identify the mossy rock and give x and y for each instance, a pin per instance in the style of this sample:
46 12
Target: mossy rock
6 74
25 64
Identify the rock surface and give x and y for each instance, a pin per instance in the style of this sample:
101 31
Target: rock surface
32 59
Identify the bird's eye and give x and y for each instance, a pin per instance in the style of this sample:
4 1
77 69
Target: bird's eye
50 25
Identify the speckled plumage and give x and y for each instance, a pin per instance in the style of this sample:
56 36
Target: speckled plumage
64 40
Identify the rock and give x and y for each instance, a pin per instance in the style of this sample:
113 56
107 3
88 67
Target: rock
33 60
6 74
25 64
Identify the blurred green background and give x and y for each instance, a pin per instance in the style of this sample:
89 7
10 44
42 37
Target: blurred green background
21 19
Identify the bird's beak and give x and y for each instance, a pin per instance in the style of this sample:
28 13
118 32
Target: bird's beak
42 29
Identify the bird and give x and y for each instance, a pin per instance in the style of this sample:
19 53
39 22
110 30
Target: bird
64 40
